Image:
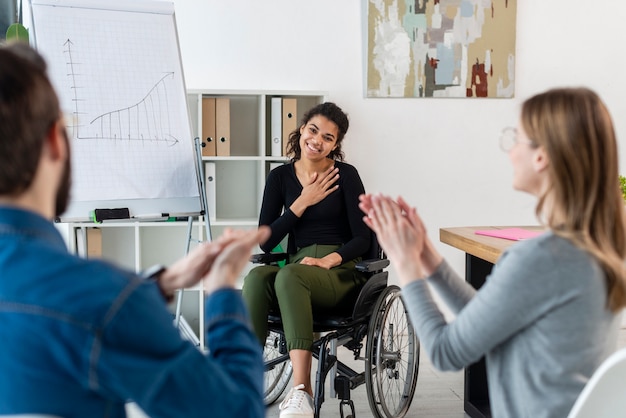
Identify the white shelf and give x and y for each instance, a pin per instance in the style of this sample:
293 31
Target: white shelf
138 224
234 222
246 158
282 93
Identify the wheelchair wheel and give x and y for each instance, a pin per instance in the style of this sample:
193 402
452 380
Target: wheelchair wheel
392 357
277 378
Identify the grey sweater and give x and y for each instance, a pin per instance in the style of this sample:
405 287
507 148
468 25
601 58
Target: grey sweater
541 319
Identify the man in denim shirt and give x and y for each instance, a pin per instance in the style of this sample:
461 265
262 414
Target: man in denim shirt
80 338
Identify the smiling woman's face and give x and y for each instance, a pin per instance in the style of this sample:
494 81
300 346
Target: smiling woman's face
318 138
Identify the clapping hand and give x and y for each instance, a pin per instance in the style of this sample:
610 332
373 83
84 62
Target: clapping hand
400 232
236 250
218 262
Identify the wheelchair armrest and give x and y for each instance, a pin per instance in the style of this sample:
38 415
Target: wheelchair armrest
372 265
267 258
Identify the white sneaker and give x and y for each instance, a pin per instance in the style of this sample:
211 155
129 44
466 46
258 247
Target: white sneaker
297 404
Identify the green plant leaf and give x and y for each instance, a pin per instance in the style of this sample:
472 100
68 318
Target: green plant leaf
17 32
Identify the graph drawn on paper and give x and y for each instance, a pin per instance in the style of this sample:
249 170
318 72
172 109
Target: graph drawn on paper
145 120
117 70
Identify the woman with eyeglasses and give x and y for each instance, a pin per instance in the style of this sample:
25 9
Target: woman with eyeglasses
547 315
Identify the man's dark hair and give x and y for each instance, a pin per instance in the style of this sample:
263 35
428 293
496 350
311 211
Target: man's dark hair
29 108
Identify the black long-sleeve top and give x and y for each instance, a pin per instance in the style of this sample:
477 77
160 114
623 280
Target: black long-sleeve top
336 220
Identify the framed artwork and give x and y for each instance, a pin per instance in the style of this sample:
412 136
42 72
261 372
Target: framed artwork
441 48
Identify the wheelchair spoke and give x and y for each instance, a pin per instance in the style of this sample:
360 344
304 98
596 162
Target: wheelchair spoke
278 368
394 356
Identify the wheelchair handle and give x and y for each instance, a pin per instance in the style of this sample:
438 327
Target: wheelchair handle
372 265
267 258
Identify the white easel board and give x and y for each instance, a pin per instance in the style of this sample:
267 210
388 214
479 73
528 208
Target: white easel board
116 67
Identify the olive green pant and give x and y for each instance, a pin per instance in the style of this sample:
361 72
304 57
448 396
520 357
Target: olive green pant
297 290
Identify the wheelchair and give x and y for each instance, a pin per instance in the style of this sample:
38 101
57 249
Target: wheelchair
378 316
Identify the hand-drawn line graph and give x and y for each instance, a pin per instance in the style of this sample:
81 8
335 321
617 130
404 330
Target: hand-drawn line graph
146 120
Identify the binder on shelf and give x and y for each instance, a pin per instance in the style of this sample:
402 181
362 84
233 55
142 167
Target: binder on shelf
208 127
210 182
222 126
94 243
276 126
290 120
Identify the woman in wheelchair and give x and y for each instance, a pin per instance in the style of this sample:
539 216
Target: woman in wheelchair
314 201
548 314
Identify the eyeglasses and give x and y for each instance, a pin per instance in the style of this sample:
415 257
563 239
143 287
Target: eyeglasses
509 138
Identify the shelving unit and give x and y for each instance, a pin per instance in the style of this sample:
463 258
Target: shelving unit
235 186
138 245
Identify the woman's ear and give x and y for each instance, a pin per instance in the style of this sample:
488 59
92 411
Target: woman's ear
540 159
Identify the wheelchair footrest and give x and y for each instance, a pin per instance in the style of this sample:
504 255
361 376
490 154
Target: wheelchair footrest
351 405
342 387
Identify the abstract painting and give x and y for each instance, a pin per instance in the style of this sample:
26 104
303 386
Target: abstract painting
441 48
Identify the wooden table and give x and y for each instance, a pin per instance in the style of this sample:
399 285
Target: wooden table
481 253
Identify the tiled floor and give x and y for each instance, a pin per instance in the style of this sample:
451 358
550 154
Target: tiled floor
437 394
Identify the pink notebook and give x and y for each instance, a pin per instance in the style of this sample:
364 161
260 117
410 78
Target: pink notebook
515 234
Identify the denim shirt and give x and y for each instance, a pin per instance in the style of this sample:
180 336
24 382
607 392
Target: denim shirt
80 338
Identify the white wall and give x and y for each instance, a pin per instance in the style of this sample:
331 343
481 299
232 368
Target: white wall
442 155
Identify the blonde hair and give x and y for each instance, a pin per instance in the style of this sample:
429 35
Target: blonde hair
586 206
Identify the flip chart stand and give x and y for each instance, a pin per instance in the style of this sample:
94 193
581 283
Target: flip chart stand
179 320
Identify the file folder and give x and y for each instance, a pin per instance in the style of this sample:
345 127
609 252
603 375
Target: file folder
208 127
211 190
514 234
94 243
290 120
276 126
222 126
